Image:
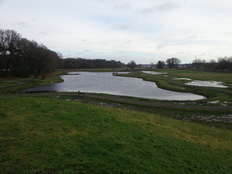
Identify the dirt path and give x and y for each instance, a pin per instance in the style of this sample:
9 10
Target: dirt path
128 101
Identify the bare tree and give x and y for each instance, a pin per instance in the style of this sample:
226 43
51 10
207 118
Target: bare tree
22 57
9 46
173 62
199 63
131 64
224 64
160 64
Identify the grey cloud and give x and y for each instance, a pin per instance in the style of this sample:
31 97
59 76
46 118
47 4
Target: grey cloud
229 35
166 6
22 24
124 6
83 40
148 10
194 36
118 46
43 33
119 52
34 19
160 46
120 26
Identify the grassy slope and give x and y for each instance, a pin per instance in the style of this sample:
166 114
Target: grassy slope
41 135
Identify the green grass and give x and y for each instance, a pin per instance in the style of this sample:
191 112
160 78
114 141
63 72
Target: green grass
201 75
46 135
13 85
161 81
212 94
168 82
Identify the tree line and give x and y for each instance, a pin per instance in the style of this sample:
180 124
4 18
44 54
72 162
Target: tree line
81 63
20 57
222 64
170 62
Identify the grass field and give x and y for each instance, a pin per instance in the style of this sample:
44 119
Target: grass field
202 75
49 135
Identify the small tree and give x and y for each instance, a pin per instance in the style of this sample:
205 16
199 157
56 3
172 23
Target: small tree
9 47
199 63
224 64
131 64
173 62
160 64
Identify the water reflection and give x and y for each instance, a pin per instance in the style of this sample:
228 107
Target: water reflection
109 84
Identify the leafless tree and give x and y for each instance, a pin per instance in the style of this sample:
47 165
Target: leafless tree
9 46
22 57
160 64
173 62
131 64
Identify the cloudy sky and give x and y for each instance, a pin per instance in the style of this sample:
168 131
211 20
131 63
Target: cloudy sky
141 30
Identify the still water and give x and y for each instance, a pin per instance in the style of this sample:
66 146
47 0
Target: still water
108 84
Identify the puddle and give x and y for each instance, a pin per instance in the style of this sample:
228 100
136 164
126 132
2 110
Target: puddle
207 84
214 102
153 72
225 103
182 79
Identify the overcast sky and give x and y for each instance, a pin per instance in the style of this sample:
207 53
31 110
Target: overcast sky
141 30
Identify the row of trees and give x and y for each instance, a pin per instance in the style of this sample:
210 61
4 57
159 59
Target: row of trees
21 57
170 62
222 64
80 63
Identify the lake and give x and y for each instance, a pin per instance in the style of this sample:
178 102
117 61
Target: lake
105 82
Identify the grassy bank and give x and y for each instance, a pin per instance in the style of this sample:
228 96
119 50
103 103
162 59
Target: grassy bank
201 75
168 81
47 135
13 85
